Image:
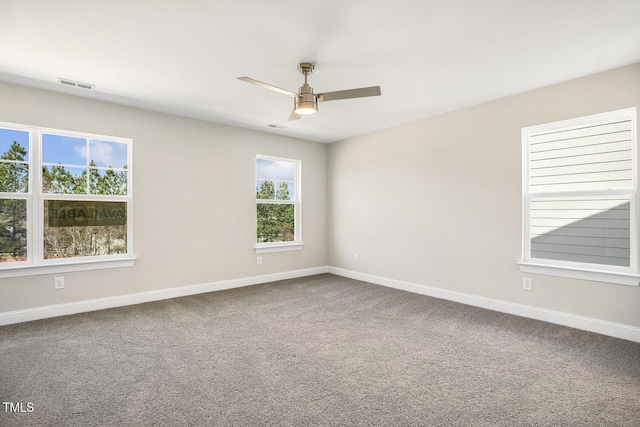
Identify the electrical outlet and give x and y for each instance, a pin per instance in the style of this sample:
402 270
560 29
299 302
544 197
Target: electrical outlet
527 283
259 260
58 283
357 258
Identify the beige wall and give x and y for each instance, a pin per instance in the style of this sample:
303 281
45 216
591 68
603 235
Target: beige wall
438 202
194 199
435 202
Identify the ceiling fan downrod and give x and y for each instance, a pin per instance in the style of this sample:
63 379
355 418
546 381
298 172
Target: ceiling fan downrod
305 102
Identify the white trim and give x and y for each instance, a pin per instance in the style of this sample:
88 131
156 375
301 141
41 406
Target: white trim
45 312
583 274
65 267
279 248
35 263
598 118
596 272
296 202
618 330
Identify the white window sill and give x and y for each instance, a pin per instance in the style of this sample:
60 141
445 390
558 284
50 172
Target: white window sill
584 274
283 247
64 267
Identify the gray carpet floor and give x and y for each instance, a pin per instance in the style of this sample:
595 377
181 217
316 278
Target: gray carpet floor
316 351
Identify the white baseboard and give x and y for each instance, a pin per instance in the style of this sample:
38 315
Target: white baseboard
18 316
612 329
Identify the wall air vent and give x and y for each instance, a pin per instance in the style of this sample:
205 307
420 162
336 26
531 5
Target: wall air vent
72 83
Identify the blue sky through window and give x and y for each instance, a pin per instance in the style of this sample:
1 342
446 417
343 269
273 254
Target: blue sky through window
108 153
67 150
8 136
64 150
285 171
266 169
278 172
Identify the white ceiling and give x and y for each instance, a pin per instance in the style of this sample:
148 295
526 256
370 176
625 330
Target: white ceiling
428 56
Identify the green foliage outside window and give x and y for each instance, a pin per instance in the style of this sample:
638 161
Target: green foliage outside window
14 178
58 242
64 242
58 180
276 221
13 230
14 174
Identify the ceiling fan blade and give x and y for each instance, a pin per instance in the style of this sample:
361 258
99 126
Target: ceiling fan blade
349 93
267 86
294 116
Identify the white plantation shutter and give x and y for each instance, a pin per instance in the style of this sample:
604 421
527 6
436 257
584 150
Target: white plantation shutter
581 229
588 157
579 192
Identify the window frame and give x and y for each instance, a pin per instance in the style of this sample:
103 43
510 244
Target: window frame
296 244
36 263
581 270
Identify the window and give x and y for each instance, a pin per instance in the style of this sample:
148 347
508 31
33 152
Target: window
277 204
579 204
65 199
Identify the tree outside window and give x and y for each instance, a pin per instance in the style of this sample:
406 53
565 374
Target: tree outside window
80 201
276 200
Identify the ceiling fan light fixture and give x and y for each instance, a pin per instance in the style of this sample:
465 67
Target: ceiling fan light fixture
305 104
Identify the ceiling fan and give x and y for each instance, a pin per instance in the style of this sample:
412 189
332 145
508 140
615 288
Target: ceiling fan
305 102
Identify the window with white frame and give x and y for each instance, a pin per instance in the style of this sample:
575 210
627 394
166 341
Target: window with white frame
579 198
277 203
65 198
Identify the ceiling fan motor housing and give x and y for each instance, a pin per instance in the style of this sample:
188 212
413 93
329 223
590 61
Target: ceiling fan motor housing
305 102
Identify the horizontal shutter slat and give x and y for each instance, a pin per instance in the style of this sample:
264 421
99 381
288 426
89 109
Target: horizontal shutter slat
581 240
579 132
616 178
587 159
582 168
570 153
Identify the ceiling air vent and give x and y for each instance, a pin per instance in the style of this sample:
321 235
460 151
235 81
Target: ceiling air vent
271 125
72 83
